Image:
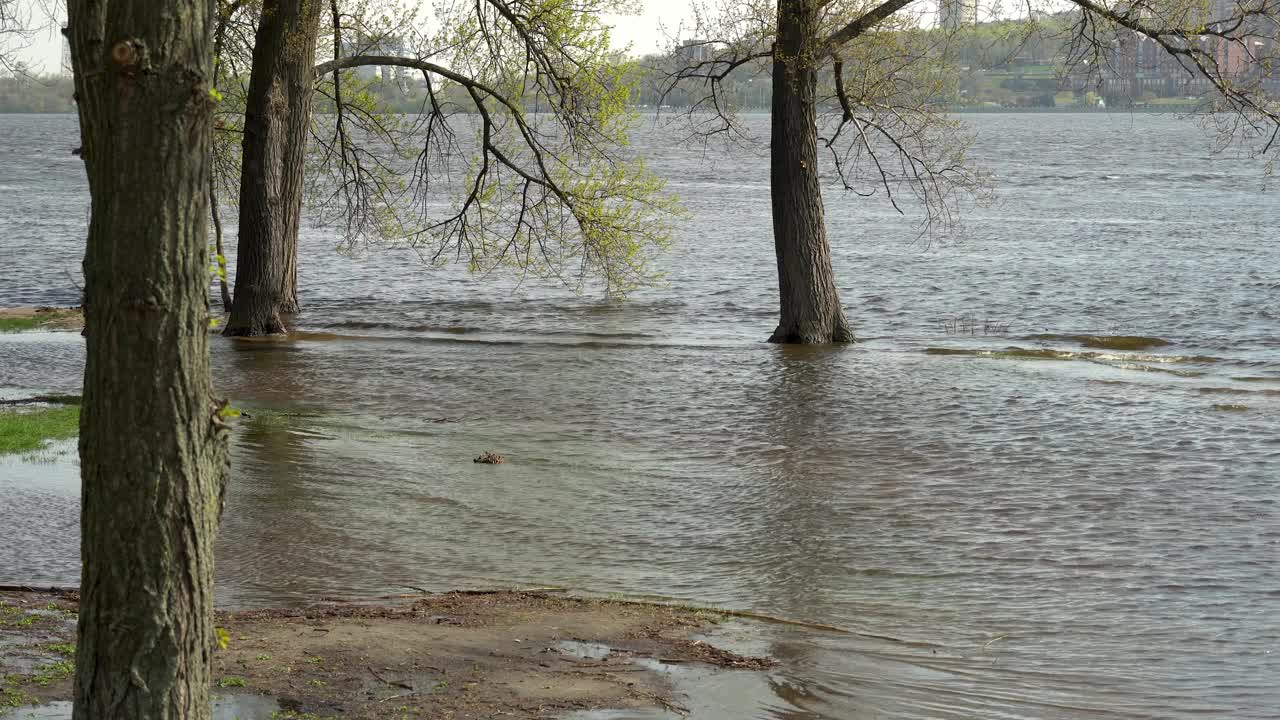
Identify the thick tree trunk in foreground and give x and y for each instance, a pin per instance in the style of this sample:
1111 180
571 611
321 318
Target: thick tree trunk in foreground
810 303
277 117
152 455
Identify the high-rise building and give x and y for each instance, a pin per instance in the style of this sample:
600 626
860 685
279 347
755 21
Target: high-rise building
695 51
957 13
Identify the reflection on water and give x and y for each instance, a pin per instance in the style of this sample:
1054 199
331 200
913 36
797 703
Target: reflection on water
1074 529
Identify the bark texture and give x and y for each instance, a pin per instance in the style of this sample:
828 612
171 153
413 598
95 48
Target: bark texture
152 451
810 302
277 117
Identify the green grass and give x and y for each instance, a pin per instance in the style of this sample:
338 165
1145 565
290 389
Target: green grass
14 616
27 430
231 681
53 672
42 319
18 324
14 698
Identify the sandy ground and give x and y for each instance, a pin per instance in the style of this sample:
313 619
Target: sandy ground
455 655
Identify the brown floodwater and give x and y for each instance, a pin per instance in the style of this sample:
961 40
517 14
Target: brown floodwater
1016 517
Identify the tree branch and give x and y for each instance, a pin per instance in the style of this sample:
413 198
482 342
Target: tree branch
862 24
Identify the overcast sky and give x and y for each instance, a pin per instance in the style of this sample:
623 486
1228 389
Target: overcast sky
641 32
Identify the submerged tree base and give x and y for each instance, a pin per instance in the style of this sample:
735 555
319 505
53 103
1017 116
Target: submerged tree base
810 334
478 654
257 327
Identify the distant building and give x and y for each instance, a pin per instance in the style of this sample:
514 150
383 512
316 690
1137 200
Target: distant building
953 14
386 45
695 51
1140 67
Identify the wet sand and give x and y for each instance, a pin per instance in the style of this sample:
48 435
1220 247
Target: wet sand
474 654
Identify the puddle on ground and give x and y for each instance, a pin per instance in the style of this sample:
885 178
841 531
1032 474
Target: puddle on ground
585 650
632 714
701 691
226 707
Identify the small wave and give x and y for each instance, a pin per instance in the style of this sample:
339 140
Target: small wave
1151 368
1022 353
376 325
467 330
1114 359
303 335
576 340
425 499
1265 392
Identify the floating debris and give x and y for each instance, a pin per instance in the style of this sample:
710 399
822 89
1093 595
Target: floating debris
490 458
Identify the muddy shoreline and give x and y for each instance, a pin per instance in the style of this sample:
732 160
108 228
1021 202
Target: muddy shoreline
457 654
42 318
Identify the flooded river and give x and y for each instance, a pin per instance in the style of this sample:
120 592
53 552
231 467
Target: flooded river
1054 531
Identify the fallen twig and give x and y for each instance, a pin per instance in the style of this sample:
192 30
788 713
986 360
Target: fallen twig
492 591
385 681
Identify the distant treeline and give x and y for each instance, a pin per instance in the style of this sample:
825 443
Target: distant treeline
1002 64
50 94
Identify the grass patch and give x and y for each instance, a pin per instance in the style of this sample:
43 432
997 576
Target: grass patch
14 698
27 430
231 681
64 649
18 324
14 616
42 318
53 672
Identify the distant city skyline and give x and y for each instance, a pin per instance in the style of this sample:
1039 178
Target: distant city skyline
647 32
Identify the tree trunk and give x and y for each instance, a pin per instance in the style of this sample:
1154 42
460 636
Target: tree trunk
289 278
810 303
217 247
152 452
277 117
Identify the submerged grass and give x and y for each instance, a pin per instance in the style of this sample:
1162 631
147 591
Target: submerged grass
1108 342
27 430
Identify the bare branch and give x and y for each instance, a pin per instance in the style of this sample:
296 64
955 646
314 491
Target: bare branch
863 23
